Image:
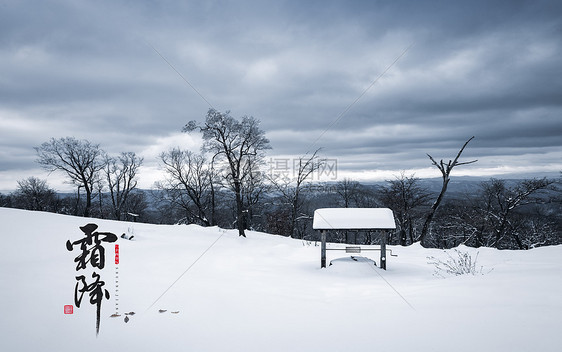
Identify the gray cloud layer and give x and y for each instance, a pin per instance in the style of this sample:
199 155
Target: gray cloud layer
491 69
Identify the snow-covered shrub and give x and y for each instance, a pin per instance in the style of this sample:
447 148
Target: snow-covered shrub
307 243
461 265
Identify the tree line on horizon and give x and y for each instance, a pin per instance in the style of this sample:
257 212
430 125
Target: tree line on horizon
224 184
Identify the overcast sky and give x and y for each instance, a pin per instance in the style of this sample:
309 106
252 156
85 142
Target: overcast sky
489 69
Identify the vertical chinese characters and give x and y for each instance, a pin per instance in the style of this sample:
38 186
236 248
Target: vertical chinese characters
92 253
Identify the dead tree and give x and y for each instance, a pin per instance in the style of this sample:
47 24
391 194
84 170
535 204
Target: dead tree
404 196
445 169
120 173
347 190
34 194
79 159
187 183
292 189
503 202
254 188
235 142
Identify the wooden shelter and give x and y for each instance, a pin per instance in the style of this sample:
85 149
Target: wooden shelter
353 219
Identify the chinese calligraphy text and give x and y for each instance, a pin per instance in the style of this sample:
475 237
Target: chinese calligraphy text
92 253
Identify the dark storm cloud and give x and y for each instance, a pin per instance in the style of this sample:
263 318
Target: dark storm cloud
489 69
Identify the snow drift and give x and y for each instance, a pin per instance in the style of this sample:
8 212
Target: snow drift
267 293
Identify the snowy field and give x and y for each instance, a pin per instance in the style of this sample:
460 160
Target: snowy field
267 293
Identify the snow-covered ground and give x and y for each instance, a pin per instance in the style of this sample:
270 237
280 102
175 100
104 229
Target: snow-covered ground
267 293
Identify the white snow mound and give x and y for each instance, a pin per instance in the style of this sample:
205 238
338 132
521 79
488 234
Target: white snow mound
266 293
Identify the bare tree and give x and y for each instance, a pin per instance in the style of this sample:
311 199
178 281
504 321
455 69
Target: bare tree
34 194
137 204
292 189
120 174
348 191
79 159
254 188
236 142
445 169
188 183
404 196
501 203
6 200
506 214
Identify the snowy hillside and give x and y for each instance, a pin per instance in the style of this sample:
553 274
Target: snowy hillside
266 293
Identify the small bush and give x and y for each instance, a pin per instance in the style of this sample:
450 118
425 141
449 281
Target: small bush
306 243
463 264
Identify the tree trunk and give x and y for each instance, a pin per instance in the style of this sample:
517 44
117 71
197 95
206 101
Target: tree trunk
500 231
77 206
410 231
100 203
445 169
88 201
294 217
213 221
402 236
431 214
239 209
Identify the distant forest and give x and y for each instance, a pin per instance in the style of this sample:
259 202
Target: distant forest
494 213
229 184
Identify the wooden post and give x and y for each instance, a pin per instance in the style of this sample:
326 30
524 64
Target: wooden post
323 249
383 250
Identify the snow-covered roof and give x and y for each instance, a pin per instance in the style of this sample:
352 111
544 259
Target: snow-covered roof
353 219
